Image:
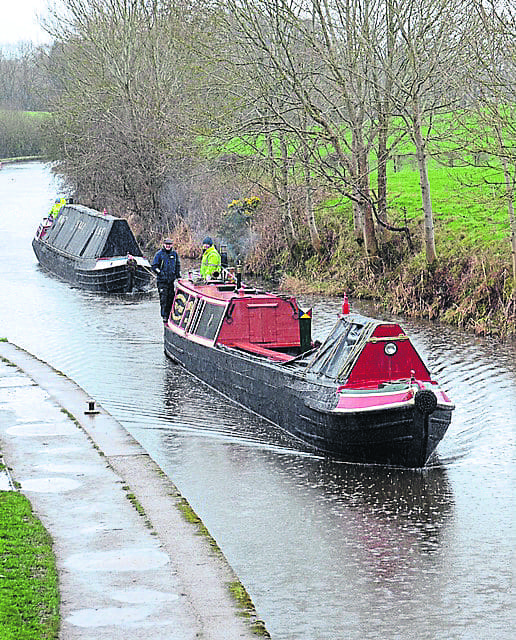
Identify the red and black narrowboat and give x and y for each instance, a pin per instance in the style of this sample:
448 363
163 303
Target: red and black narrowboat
93 251
364 395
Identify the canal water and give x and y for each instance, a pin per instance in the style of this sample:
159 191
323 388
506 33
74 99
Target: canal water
327 551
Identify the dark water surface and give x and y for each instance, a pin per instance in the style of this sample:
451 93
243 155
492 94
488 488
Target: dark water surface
327 551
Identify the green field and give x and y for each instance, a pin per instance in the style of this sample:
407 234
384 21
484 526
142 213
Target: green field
469 202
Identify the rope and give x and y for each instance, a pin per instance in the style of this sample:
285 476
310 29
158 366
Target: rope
148 270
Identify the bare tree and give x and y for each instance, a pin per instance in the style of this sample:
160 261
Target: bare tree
126 120
264 110
430 35
24 84
321 100
490 115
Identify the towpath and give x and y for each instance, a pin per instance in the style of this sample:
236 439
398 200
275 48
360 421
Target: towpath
130 565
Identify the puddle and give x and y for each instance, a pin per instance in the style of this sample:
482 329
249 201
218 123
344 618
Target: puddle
121 560
136 596
30 404
49 485
108 616
27 398
16 381
43 429
78 469
61 451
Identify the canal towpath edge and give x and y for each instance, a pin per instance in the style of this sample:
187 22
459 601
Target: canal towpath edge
130 564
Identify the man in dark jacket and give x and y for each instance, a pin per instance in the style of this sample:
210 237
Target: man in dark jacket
167 267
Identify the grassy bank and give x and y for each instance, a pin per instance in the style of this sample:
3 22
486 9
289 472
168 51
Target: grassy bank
469 286
29 601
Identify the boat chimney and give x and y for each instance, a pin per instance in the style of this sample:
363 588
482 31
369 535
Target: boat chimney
239 275
305 330
224 262
345 306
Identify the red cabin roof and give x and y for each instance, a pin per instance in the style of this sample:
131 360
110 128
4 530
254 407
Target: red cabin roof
251 320
374 363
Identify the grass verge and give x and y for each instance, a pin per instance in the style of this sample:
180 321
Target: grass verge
29 599
236 588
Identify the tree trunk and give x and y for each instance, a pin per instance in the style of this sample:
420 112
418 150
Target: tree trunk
382 168
281 191
428 233
309 204
287 202
358 214
370 244
312 227
509 188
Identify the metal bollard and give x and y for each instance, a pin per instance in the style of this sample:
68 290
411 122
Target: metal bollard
91 410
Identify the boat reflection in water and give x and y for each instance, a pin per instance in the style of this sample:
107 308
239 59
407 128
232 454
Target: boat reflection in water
363 395
392 521
294 525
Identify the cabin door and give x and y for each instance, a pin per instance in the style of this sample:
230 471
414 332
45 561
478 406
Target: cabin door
262 324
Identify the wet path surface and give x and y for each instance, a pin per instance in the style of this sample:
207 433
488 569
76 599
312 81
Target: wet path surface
114 577
130 565
326 550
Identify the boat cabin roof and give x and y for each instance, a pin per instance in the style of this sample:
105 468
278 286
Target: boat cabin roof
362 351
86 233
256 321
219 291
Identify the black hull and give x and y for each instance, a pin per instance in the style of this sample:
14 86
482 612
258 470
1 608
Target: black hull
81 273
398 437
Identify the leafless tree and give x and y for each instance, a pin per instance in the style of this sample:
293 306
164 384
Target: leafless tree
490 116
24 84
124 125
427 38
321 92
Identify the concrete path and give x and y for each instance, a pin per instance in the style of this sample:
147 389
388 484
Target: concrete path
130 565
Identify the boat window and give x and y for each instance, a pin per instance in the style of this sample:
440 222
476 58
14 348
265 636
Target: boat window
83 250
96 243
343 350
209 320
336 349
194 317
56 229
324 352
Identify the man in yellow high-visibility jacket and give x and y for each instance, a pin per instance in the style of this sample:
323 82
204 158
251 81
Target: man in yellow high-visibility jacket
56 209
210 263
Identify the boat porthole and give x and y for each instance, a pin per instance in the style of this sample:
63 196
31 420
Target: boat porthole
390 349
